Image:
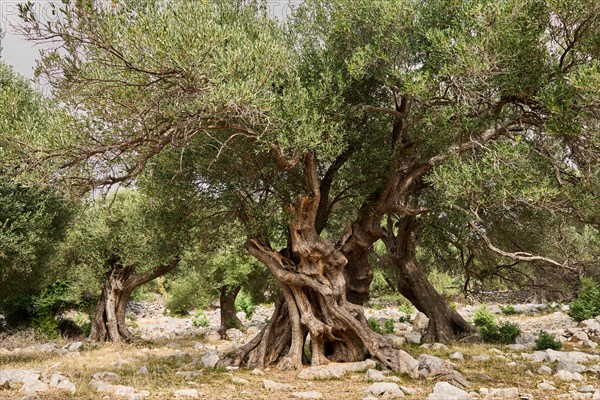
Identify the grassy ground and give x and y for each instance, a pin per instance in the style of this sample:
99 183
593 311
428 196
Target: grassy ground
165 359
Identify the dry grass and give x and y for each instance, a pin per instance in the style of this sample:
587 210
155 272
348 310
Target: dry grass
163 362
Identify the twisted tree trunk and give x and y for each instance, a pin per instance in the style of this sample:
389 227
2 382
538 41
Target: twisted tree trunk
108 321
229 318
445 324
313 302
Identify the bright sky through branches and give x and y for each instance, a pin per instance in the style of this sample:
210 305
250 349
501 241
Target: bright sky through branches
22 55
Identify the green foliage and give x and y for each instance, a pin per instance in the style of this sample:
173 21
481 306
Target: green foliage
243 302
587 303
499 120
183 293
45 324
483 317
491 332
546 341
445 283
374 324
199 320
508 332
33 221
508 310
407 308
388 327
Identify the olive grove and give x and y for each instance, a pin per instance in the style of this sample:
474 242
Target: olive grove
350 123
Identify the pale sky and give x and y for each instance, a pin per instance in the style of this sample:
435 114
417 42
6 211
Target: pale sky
22 54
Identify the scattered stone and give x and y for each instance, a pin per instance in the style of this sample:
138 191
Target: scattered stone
190 393
481 358
409 391
536 356
445 391
240 381
257 372
457 356
505 393
119 390
335 370
569 366
387 389
307 395
525 339
60 382
547 385
450 376
212 336
435 346
209 360
234 334
432 363
272 385
544 370
188 374
420 323
105 376
32 387
75 346
570 356
567 376
586 389
143 371
596 395
377 376
14 378
413 337
516 347
397 342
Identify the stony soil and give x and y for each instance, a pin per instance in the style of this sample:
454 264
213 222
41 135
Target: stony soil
174 359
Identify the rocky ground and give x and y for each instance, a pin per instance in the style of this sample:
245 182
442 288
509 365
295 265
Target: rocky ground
177 359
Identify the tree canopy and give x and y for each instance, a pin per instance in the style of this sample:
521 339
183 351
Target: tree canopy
349 123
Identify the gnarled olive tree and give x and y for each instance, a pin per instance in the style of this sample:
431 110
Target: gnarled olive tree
341 114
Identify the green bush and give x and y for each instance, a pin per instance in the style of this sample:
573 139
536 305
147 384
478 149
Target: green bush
184 295
546 341
483 317
388 327
508 310
199 320
243 302
46 325
508 332
492 332
375 325
587 303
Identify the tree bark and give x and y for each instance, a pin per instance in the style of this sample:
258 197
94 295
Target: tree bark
229 318
108 321
313 302
445 324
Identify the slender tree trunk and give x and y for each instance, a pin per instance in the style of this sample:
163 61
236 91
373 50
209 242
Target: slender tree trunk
229 318
445 324
313 302
108 321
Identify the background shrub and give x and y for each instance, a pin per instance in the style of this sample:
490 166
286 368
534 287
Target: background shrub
546 341
492 332
243 302
587 303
